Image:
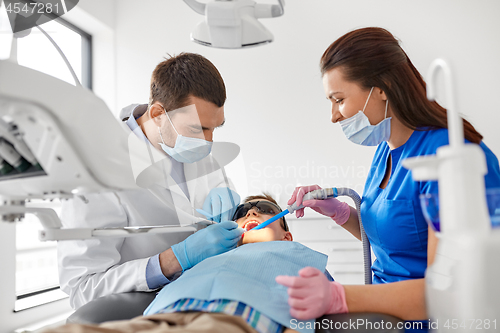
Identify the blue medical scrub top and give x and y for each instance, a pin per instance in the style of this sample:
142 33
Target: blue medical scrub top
392 217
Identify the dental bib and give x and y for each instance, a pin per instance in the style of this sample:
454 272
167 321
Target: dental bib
246 274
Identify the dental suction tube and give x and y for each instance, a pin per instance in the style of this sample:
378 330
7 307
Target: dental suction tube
321 194
326 193
367 255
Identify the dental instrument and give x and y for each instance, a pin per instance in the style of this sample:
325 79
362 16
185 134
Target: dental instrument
65 154
10 134
9 154
206 214
320 194
323 194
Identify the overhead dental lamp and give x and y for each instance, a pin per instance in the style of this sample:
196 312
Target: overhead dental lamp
233 24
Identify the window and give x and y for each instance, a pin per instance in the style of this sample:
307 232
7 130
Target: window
37 278
36 262
35 51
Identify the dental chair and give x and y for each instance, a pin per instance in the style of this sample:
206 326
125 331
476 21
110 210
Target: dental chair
113 307
132 304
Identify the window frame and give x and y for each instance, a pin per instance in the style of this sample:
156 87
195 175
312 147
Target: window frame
86 51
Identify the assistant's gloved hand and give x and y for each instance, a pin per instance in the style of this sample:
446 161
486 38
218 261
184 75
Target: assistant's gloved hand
336 210
311 295
208 242
221 203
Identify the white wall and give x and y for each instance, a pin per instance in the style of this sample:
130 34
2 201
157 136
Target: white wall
276 109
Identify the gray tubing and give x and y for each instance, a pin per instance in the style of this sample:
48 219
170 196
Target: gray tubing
367 256
61 53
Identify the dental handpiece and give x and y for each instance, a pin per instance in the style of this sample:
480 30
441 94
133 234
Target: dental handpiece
321 194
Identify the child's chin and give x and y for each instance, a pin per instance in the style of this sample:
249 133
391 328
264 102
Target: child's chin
252 241
256 238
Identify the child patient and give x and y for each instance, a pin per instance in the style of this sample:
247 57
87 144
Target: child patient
255 210
232 292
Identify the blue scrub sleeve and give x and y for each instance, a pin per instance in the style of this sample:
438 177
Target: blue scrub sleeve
154 276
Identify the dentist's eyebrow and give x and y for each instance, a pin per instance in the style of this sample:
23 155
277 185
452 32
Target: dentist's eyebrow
207 128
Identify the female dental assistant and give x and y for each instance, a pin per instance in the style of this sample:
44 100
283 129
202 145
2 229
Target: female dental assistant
378 97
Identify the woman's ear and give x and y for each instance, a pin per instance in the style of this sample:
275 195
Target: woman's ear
382 95
288 236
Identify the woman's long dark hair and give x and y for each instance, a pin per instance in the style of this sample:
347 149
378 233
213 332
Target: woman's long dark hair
372 57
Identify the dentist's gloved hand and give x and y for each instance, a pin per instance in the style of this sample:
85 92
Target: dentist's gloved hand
208 242
336 210
221 203
311 295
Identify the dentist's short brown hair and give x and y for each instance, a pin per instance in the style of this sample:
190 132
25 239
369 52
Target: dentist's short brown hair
184 75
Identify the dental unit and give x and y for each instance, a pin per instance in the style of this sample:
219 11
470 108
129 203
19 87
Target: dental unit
58 153
462 283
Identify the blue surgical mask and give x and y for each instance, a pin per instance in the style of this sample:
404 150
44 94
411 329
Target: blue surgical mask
186 149
359 130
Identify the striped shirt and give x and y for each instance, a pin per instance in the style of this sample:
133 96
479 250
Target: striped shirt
254 318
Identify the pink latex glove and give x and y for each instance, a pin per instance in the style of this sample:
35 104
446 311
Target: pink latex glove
336 210
311 295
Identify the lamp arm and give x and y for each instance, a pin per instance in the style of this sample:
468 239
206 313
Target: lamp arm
196 6
279 9
268 11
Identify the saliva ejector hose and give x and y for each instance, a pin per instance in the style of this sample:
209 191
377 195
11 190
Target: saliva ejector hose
323 194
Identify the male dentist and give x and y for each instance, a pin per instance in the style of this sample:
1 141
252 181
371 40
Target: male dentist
186 105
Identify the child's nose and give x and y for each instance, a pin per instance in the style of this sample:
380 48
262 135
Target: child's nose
253 211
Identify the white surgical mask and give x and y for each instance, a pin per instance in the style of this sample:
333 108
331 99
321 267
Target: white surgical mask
359 130
186 149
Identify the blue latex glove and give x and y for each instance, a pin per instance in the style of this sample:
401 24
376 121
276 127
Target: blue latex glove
221 203
214 239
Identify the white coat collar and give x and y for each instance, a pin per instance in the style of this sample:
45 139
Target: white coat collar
150 154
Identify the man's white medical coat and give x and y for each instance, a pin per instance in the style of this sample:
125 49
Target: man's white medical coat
89 269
